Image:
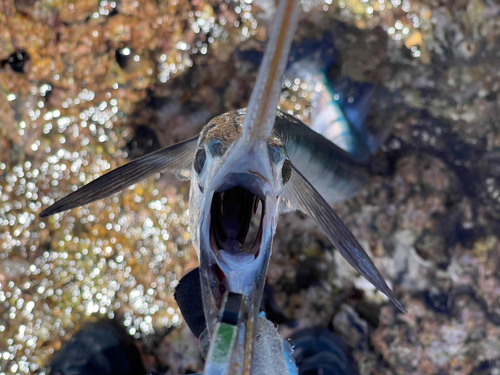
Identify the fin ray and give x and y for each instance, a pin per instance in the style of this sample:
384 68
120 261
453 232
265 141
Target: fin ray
177 159
299 194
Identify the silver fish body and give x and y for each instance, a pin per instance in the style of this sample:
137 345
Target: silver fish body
302 159
229 179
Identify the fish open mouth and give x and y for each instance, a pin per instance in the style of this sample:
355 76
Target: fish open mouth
236 227
234 215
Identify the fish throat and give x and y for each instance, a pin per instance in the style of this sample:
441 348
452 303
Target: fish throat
236 222
236 228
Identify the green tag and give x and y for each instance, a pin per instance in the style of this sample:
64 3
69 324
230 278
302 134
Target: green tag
220 351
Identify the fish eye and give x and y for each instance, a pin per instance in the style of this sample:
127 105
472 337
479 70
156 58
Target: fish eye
286 171
215 148
199 160
275 154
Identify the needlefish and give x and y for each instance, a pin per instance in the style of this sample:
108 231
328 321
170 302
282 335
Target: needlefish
252 163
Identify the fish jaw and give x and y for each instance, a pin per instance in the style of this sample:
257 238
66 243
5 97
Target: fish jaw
245 174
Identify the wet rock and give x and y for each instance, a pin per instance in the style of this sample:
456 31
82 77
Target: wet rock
351 328
310 272
143 142
18 61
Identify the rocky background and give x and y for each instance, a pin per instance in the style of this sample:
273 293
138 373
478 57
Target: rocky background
86 85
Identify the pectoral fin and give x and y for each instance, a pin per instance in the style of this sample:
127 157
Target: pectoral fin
299 194
177 159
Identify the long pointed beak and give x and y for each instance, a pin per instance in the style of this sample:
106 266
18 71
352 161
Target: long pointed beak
261 114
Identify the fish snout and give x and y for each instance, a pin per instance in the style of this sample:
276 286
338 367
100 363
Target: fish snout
252 181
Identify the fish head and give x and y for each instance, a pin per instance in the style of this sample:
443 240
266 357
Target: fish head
234 207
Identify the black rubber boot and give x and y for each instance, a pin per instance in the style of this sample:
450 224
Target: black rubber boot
101 348
317 351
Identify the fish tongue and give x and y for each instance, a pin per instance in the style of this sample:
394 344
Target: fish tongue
230 261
